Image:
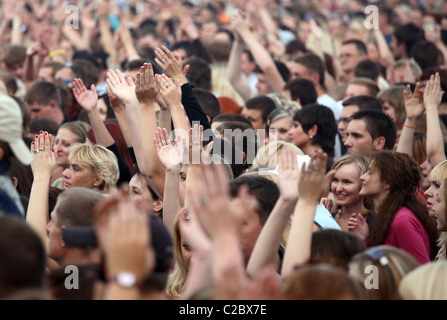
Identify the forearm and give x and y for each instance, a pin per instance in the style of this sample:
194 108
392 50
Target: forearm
16 32
37 212
164 120
267 244
198 274
106 35
405 143
121 117
435 140
300 237
102 135
29 72
171 201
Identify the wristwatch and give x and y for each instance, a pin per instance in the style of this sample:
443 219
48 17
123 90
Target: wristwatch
125 279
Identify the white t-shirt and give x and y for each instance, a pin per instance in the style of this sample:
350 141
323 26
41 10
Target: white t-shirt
329 102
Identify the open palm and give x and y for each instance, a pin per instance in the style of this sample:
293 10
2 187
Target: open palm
86 100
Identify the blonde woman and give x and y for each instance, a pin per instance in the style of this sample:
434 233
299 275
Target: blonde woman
92 166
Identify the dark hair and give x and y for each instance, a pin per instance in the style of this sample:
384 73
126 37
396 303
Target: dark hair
23 257
224 117
401 172
282 69
302 89
426 54
199 74
313 63
324 118
367 69
190 49
208 102
408 34
336 247
263 189
43 92
263 104
24 175
378 125
44 124
295 46
364 102
10 82
360 45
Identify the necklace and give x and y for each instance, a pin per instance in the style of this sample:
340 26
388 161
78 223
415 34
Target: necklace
339 213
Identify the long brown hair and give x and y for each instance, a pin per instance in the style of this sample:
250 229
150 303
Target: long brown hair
402 174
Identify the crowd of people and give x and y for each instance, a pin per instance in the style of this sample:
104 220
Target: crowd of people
223 150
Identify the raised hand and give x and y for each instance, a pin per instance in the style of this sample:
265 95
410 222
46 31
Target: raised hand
123 88
313 183
170 154
433 92
288 175
146 87
44 158
171 63
88 101
413 102
170 90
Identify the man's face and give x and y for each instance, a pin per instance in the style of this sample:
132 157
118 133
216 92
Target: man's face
46 74
40 111
350 57
247 66
358 139
345 117
299 71
263 85
254 116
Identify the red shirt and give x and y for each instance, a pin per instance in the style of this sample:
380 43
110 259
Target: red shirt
408 233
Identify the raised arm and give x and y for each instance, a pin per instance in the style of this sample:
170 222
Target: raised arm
312 185
266 248
234 67
435 141
413 109
43 166
171 156
260 54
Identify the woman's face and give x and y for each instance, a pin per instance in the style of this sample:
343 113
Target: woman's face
346 185
279 129
76 175
298 136
432 194
389 110
62 144
426 168
439 210
139 191
372 185
186 252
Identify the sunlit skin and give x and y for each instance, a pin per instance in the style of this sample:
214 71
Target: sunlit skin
254 116
372 185
345 116
358 139
346 186
76 175
431 194
439 210
279 129
62 144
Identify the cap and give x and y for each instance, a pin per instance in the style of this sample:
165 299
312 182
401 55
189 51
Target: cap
11 129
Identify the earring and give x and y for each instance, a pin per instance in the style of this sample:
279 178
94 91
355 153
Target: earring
311 137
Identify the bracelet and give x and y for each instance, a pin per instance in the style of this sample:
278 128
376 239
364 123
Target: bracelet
56 53
408 126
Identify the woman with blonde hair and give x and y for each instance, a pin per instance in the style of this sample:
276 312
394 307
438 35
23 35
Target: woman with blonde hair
425 282
268 155
345 188
92 166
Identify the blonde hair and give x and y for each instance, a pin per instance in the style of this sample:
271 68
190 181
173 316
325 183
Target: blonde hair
439 172
177 279
426 282
267 155
100 159
360 161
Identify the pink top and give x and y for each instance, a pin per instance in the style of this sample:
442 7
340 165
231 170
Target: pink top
408 233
